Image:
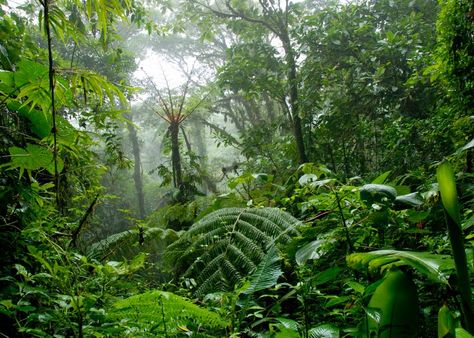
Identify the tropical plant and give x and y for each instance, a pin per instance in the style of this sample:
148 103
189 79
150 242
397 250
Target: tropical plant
228 244
393 308
164 314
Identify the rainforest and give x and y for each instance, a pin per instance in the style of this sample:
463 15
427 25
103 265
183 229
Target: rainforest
237 168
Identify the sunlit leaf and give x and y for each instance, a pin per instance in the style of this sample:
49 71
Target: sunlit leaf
447 187
324 331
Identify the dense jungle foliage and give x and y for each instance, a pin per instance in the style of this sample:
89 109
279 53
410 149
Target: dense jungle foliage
236 168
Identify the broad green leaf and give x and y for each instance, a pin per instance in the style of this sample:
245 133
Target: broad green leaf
377 193
446 323
324 331
436 267
307 179
326 275
381 178
309 251
285 332
288 323
7 82
33 157
397 300
447 187
337 300
469 145
461 333
407 201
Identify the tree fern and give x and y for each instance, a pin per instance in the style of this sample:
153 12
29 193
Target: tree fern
160 314
126 244
228 244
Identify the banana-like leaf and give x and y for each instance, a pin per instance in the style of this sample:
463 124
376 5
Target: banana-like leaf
267 272
435 267
447 187
397 300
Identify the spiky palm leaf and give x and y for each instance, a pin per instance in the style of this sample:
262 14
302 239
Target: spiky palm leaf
228 244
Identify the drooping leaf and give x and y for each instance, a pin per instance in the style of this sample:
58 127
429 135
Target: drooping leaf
377 193
435 267
446 323
408 201
326 275
447 187
469 145
397 300
307 179
309 251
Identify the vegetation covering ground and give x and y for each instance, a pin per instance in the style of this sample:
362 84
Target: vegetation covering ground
305 171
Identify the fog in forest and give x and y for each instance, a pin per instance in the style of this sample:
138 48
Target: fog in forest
236 168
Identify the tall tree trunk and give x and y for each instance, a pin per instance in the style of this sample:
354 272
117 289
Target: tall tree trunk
294 104
175 156
137 169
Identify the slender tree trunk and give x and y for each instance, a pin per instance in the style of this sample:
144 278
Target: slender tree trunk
137 170
175 156
294 104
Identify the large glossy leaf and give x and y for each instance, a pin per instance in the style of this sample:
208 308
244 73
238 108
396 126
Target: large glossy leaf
461 333
447 187
377 193
435 267
469 145
446 323
324 331
397 300
309 251
267 272
407 201
34 157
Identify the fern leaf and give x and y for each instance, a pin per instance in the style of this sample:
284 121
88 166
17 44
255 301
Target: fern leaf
147 310
267 272
228 244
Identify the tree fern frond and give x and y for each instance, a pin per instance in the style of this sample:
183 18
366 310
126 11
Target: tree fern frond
153 310
213 282
227 245
126 244
240 258
267 272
